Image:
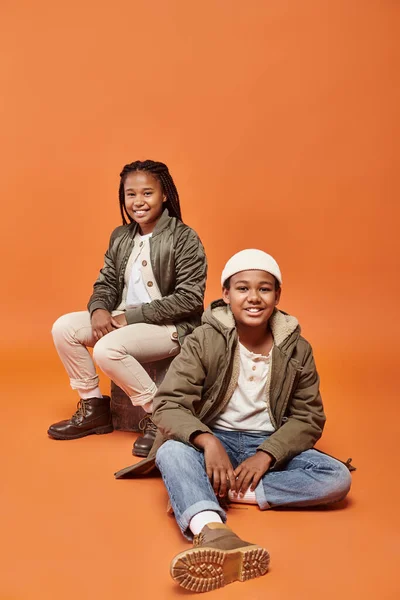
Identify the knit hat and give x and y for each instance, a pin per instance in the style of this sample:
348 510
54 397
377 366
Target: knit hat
251 260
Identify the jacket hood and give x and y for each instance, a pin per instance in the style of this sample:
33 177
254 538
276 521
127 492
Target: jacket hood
220 317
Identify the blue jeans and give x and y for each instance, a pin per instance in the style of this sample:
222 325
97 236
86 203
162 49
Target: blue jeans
308 479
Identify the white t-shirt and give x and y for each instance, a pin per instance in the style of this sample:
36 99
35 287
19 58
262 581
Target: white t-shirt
137 293
247 409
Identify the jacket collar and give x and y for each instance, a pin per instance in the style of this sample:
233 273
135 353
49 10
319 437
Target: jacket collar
219 316
162 224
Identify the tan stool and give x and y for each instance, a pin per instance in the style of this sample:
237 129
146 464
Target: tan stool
125 416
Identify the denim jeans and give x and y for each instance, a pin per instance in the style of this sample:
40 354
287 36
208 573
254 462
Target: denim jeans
309 479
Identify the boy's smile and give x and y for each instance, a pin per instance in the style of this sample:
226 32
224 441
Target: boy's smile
252 297
143 199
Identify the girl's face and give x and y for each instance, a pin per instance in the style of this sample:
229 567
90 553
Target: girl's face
144 199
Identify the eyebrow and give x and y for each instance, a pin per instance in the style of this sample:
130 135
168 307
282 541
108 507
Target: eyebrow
143 189
259 283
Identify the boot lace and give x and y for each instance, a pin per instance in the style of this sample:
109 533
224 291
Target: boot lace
198 540
80 413
147 425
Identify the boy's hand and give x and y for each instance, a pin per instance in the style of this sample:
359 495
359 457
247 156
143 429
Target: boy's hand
218 465
250 471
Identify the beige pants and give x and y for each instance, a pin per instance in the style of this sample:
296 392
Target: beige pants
118 354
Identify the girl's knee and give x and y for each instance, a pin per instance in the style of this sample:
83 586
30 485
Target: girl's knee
102 352
108 350
67 327
61 328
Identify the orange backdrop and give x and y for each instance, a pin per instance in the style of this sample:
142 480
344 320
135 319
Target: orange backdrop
279 122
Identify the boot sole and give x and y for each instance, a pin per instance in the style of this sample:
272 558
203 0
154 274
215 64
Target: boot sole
97 430
141 453
206 569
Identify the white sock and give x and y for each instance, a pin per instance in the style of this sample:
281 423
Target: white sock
85 394
248 498
148 407
203 518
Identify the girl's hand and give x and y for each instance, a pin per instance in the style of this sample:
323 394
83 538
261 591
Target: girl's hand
218 465
119 321
250 471
101 323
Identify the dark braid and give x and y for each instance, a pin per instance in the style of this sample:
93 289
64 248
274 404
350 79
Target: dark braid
160 172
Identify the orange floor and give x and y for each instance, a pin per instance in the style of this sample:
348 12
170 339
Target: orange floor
71 531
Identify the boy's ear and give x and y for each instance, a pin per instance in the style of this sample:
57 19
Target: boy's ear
225 296
277 296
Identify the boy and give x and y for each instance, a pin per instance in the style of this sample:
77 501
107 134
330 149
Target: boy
239 413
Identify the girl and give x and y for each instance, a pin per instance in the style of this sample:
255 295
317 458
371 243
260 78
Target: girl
147 298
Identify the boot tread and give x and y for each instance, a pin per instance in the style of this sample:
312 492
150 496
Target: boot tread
206 569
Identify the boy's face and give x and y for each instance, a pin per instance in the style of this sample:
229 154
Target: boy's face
252 297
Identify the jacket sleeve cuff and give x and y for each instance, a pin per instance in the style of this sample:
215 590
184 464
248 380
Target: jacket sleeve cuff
187 434
134 315
96 305
273 449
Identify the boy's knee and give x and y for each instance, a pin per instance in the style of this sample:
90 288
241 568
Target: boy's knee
171 452
337 481
343 480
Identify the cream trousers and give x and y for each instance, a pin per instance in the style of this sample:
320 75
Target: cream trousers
119 354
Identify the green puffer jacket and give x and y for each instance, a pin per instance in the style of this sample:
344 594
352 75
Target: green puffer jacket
203 377
179 265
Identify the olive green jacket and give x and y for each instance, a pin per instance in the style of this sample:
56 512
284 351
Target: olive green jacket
179 265
203 377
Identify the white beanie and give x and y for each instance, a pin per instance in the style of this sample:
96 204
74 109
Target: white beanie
251 260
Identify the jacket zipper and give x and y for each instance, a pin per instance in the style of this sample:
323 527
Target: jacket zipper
121 273
268 394
296 374
222 393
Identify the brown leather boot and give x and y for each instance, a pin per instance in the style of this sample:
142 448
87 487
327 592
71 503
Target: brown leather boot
219 557
93 416
143 444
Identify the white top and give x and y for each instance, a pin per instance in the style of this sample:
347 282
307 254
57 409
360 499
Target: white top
137 292
247 409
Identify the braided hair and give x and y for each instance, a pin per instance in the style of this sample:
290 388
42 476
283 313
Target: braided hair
160 172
